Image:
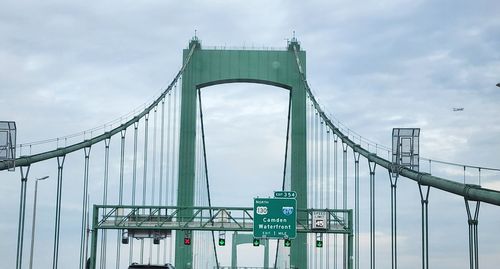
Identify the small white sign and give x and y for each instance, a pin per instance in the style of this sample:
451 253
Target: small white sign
319 220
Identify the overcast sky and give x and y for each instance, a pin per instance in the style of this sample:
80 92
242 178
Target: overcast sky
70 66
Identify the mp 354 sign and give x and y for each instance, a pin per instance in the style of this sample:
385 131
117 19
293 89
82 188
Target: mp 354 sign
274 218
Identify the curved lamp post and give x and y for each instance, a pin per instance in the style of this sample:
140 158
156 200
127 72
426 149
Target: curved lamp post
34 218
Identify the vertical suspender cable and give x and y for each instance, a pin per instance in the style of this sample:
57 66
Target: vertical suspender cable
328 191
336 194
153 176
310 172
162 142
105 201
134 184
22 214
313 183
83 238
344 197
287 140
393 177
424 199
206 173
60 165
195 187
168 167
321 183
315 178
285 162
172 167
153 170
314 263
356 207
197 184
202 185
309 164
120 195
372 166
314 251
144 179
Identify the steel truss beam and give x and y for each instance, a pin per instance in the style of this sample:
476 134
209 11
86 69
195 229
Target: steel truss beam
222 219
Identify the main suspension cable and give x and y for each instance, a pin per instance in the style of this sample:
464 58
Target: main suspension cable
59 152
476 194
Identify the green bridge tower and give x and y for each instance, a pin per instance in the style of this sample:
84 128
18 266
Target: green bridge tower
209 67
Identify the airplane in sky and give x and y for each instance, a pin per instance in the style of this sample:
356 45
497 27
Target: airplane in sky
456 109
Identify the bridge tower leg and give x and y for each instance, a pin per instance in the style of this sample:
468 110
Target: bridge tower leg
298 251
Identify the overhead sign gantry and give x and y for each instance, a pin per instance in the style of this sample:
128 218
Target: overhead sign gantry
164 219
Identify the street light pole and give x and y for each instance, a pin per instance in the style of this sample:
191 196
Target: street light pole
34 218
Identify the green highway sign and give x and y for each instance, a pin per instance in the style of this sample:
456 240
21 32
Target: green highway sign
285 194
275 218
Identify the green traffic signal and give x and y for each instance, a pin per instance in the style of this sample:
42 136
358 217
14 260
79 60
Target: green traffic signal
319 243
256 242
288 243
222 242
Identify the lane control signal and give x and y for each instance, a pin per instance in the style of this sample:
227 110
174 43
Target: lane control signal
319 240
222 238
187 238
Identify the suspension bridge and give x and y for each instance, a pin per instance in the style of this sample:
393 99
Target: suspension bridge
159 209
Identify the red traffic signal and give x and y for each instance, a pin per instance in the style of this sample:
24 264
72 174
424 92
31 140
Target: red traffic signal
187 241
